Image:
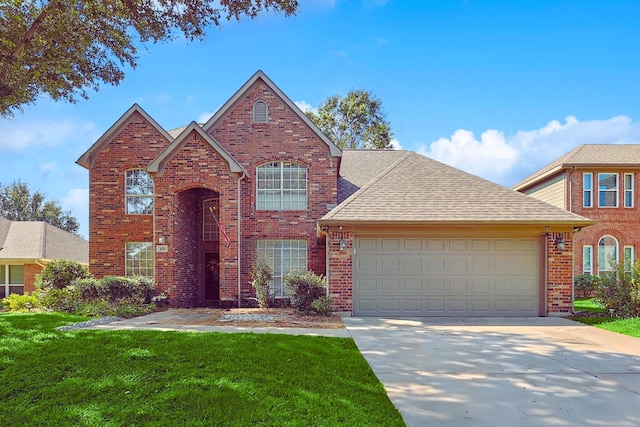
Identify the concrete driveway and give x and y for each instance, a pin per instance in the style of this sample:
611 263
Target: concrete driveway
503 371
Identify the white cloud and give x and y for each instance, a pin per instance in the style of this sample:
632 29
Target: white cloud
46 168
395 144
21 135
202 118
508 159
304 106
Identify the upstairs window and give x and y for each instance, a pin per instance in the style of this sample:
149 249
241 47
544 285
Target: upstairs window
608 190
281 186
139 189
260 112
628 190
209 218
607 253
587 190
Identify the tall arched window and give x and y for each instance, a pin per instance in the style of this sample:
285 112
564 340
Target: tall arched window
260 112
607 253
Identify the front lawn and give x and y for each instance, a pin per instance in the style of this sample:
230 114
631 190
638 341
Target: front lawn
146 378
629 327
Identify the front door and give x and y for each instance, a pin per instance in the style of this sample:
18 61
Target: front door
211 277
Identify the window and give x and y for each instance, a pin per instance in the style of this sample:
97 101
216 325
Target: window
628 258
282 256
628 190
139 188
587 260
608 190
281 186
139 259
209 225
11 280
607 253
260 112
587 190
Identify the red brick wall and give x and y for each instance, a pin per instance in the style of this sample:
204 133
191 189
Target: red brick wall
559 296
30 272
341 270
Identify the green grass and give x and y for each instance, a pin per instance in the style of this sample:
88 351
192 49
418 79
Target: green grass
629 327
146 378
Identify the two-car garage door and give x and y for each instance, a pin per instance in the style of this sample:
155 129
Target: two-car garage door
415 276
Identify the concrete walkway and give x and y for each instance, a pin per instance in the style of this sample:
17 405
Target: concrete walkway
503 371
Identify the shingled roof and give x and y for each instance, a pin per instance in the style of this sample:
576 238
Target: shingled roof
414 189
38 240
589 155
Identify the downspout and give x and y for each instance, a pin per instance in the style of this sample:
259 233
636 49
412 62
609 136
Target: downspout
240 178
573 252
326 256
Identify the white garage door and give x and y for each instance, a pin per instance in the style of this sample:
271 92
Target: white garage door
445 277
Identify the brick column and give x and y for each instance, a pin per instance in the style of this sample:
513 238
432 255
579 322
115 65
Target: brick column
559 275
340 270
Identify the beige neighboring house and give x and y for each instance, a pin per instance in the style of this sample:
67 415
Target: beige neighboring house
26 247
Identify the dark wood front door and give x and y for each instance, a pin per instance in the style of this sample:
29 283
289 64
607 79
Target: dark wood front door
212 277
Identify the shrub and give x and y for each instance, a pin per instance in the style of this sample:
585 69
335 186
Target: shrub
68 299
585 285
15 302
61 273
133 290
261 275
307 292
619 290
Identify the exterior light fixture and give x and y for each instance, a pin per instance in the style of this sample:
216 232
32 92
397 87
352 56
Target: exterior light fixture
560 243
161 240
343 244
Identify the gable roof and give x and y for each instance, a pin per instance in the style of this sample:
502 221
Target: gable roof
87 159
158 164
259 75
588 155
415 189
38 240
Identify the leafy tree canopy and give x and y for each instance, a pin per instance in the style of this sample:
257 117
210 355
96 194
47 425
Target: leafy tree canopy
63 47
18 204
355 121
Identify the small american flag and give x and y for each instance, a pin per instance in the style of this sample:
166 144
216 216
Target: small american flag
227 240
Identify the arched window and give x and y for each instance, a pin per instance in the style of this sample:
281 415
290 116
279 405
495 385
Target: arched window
607 253
260 112
139 189
282 186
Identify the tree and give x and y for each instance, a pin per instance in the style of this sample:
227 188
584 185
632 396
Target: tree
62 47
355 121
18 204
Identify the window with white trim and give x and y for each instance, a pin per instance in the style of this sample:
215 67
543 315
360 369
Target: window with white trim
260 112
628 190
282 256
11 280
587 259
209 224
139 259
607 253
281 186
587 189
628 257
139 192
608 190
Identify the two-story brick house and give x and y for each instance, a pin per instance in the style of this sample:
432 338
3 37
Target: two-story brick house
394 232
597 181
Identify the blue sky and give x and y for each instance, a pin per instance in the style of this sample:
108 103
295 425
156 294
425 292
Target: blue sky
496 88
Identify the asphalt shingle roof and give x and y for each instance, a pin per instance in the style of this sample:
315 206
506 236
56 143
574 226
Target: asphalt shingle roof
416 189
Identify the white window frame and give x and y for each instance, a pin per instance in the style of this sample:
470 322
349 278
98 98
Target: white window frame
587 257
276 191
282 256
139 266
615 191
630 190
587 191
141 193
210 231
629 254
260 112
6 279
603 258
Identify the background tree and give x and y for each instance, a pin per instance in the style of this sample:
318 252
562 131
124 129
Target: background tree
18 204
355 121
62 47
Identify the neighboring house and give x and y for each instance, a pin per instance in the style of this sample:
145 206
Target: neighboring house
396 233
597 181
26 247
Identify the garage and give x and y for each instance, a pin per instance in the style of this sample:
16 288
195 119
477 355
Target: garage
423 276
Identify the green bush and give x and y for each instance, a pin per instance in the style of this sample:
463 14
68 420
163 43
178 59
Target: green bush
619 290
67 300
59 274
307 292
261 275
585 285
133 290
15 302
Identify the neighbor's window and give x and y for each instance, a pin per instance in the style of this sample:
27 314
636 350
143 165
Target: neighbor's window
139 259
260 112
139 189
587 260
628 190
607 253
11 280
282 256
608 190
628 258
587 190
281 186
